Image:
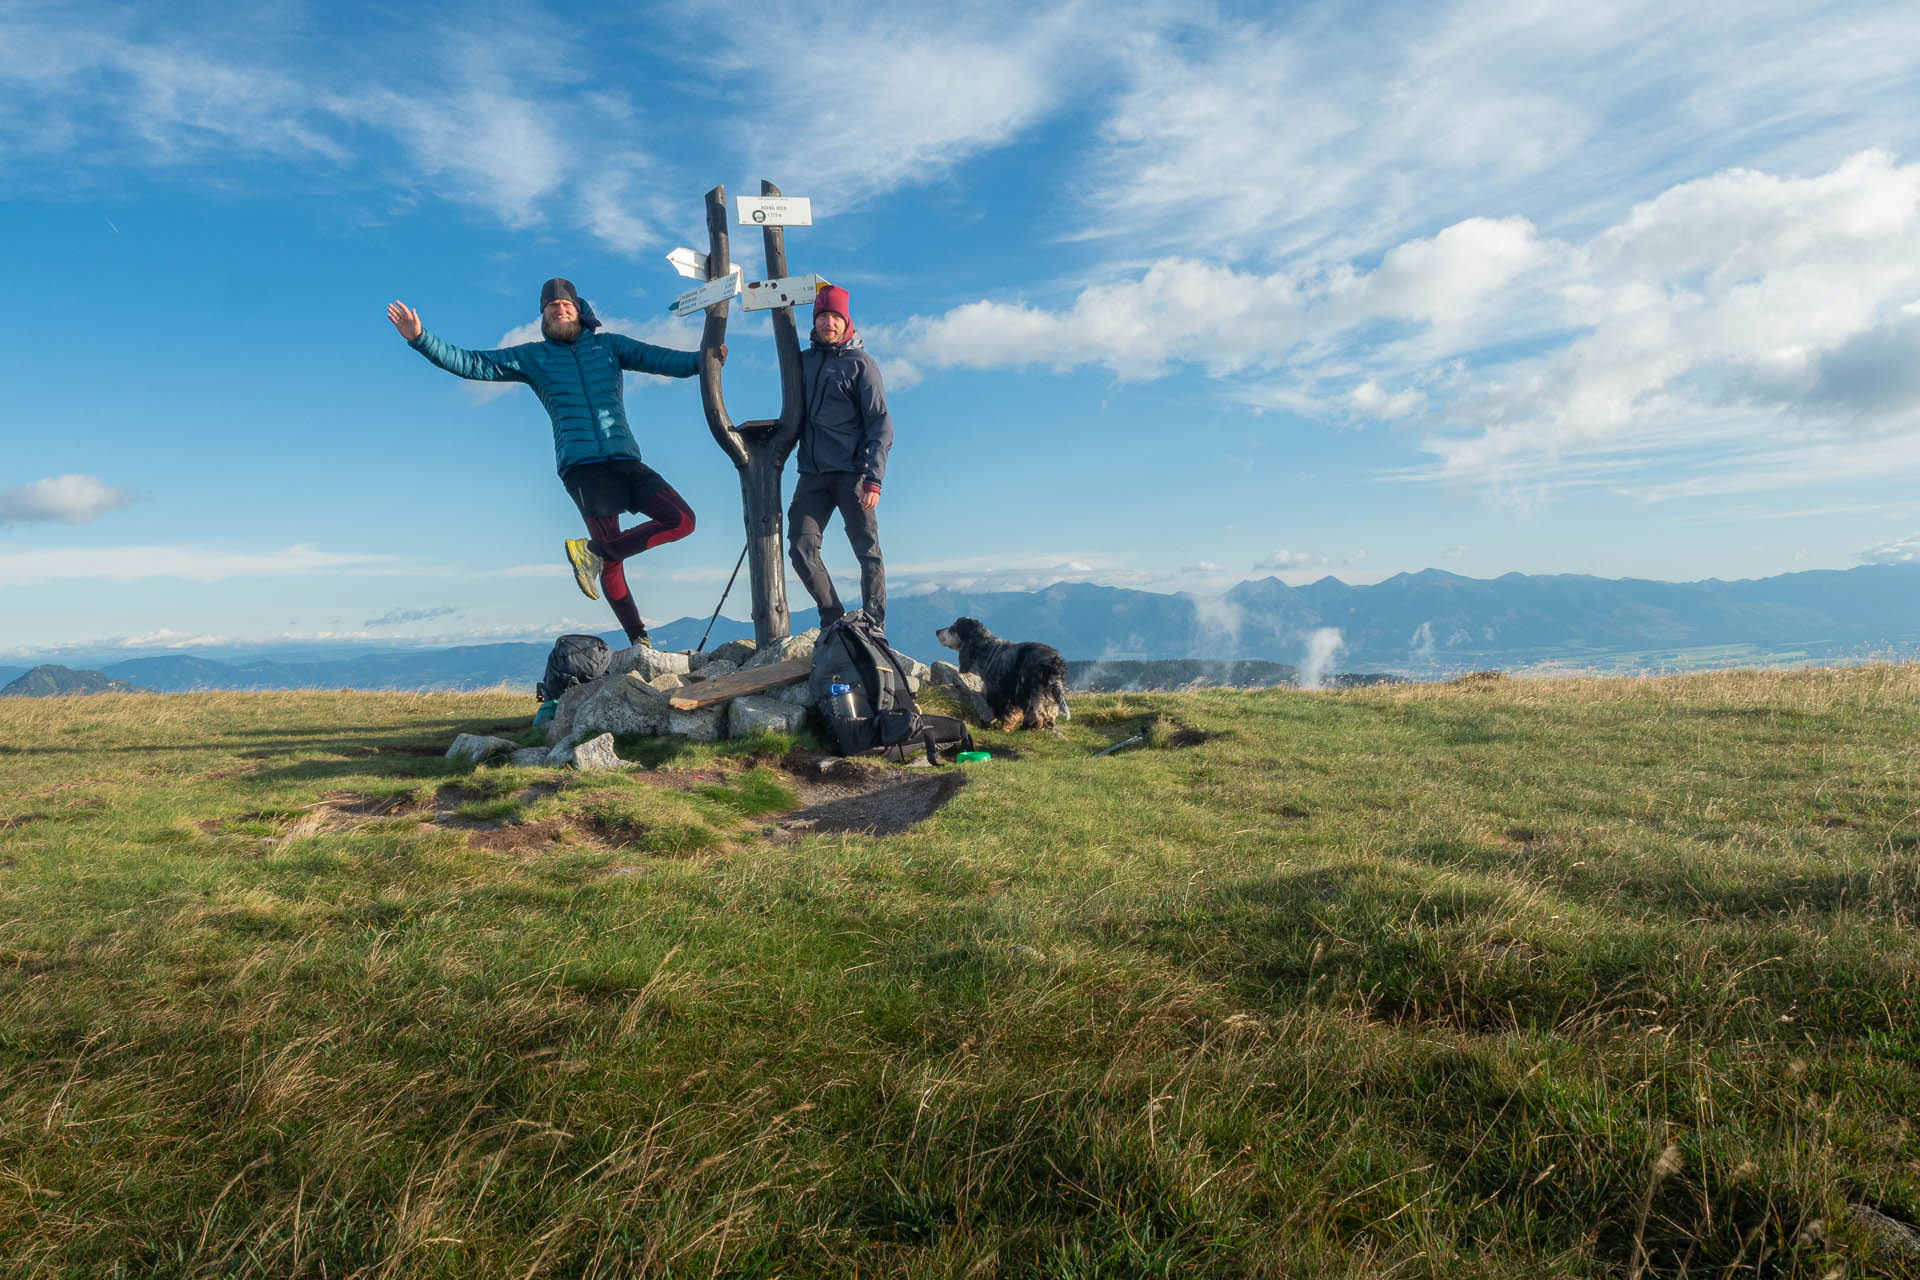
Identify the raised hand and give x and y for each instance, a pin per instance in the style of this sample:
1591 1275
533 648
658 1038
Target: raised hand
405 319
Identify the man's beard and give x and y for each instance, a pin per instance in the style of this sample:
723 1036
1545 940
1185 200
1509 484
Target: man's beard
560 330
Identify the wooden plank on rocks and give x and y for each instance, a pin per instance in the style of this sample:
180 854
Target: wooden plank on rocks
737 684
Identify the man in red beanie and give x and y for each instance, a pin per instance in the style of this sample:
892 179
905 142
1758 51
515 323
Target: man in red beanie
843 458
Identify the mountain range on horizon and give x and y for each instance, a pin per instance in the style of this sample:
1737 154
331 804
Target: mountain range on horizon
1422 625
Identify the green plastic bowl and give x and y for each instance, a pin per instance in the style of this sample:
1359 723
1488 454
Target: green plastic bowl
973 757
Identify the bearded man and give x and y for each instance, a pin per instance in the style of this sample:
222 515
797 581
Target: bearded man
576 373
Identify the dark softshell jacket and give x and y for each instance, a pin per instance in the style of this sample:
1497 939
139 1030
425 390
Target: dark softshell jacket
578 383
847 427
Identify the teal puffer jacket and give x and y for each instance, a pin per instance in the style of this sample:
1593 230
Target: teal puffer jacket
578 383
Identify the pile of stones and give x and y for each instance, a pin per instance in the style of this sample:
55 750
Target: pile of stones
634 698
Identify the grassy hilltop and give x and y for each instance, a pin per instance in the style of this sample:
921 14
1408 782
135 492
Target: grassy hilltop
1494 978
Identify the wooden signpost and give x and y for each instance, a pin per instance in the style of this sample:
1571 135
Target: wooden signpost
758 448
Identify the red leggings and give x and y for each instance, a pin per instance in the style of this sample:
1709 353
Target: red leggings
669 520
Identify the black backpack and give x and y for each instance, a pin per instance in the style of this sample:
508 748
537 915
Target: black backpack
574 660
877 713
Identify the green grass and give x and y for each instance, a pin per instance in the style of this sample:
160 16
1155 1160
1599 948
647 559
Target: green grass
1498 978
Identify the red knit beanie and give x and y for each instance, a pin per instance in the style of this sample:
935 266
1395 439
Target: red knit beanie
832 298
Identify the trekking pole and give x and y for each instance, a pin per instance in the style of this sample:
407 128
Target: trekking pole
723 599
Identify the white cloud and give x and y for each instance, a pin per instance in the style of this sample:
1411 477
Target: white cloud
1896 551
1743 331
165 638
1200 566
503 128
872 97
193 564
1449 287
1333 131
479 144
399 617
68 499
1036 573
1283 559
1369 401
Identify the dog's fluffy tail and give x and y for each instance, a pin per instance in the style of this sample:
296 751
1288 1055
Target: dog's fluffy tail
1059 691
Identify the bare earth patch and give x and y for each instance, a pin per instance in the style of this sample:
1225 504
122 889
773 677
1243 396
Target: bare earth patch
860 797
529 837
836 795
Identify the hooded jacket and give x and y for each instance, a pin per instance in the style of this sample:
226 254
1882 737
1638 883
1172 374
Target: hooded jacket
578 384
847 427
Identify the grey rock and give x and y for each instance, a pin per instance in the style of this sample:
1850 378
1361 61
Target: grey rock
1892 1235
751 714
529 756
800 646
735 651
702 726
562 723
475 747
624 704
917 671
718 667
596 755
646 662
966 690
794 693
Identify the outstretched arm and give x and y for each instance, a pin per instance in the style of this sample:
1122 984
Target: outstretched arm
480 366
644 357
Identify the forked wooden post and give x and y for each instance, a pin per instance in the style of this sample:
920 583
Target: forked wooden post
759 448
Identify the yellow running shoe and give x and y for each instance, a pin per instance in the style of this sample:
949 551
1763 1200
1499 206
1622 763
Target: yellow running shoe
586 566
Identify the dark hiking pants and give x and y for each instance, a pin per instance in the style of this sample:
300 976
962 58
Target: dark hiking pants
604 491
815 498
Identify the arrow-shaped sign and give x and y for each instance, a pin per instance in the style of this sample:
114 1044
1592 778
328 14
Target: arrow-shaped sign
786 291
713 291
689 264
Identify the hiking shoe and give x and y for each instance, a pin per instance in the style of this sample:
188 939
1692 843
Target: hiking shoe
586 566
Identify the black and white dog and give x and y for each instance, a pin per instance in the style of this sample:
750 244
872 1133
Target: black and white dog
1023 683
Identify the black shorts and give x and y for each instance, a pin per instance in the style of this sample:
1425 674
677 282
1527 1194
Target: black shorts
613 487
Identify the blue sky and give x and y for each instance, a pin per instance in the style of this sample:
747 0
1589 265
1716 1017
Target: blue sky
1167 296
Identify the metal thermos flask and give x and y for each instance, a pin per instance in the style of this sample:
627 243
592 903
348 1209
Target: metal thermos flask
844 704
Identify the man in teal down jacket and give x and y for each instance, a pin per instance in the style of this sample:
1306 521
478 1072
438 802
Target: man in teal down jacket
576 373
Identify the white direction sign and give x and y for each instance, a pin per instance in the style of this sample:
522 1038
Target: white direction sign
773 211
785 291
707 295
690 264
